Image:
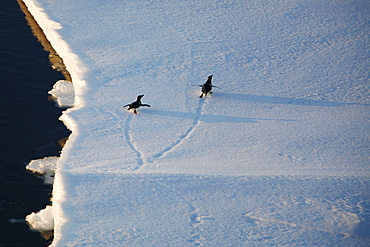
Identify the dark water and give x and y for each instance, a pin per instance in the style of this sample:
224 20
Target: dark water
29 126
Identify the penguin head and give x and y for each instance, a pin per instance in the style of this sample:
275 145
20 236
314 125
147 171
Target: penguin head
140 96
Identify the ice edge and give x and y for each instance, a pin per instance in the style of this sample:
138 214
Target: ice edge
77 70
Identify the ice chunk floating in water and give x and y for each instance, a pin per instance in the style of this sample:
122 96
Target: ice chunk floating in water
47 164
63 93
44 167
43 220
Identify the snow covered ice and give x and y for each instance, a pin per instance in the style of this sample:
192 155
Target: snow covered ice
278 156
43 220
63 92
44 167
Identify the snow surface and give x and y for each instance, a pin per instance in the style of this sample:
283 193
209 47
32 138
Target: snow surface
278 157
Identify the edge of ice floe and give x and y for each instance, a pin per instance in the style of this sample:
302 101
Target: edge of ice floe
77 70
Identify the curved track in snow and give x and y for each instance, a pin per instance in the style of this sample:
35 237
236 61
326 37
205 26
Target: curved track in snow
188 132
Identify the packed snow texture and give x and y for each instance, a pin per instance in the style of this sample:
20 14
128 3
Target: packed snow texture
278 156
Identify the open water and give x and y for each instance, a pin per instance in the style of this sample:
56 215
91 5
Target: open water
29 125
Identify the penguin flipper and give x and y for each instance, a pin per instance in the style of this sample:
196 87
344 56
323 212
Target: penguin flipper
145 105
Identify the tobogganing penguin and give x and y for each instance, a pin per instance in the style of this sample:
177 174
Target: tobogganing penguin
207 87
136 104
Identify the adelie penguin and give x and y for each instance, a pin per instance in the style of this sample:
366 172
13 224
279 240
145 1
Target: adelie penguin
207 87
136 104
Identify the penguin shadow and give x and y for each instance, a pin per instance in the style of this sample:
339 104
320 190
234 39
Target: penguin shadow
208 118
283 100
362 230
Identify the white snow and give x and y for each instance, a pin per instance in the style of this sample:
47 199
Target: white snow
47 164
43 220
63 93
45 167
278 156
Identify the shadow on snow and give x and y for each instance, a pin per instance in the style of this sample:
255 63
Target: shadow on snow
283 100
207 118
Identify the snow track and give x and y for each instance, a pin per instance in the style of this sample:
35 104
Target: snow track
188 132
124 121
131 143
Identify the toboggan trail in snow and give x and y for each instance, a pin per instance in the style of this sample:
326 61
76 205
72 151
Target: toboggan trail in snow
188 132
125 126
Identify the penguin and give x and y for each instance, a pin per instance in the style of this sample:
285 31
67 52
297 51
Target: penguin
136 104
207 87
